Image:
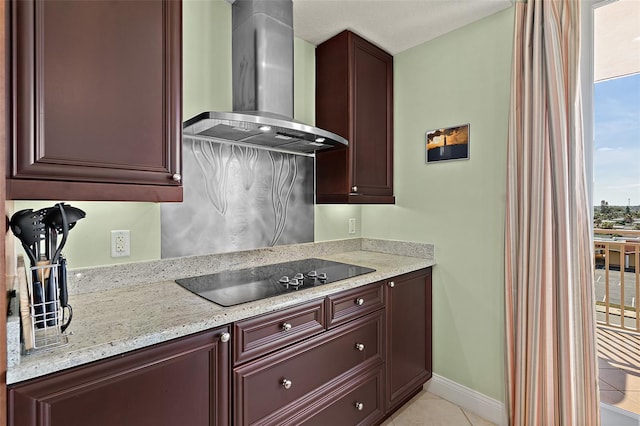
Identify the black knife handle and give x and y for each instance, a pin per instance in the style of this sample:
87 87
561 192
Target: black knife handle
68 321
62 282
51 305
38 304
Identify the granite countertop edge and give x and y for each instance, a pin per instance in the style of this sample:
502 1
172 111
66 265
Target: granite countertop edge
152 313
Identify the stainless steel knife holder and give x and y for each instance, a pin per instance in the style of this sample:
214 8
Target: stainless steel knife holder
45 313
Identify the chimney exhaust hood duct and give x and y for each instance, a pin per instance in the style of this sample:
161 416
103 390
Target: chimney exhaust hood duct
262 54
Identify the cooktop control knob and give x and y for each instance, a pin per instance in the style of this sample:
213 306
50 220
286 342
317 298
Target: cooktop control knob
312 274
294 282
322 276
299 276
284 280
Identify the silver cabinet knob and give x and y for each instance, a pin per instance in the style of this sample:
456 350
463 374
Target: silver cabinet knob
359 301
360 346
286 383
225 337
392 284
177 177
286 326
359 406
354 188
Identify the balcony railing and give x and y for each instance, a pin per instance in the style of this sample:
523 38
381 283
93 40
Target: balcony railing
617 278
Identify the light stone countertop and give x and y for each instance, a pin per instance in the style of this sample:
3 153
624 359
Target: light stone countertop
117 320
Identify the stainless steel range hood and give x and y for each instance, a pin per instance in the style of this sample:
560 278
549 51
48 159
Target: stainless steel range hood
262 55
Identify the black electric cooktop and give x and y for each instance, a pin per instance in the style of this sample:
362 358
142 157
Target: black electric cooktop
230 288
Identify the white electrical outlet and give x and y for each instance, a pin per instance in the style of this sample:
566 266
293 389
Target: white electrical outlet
352 225
120 243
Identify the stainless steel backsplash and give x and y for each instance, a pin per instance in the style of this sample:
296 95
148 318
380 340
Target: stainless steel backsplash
238 198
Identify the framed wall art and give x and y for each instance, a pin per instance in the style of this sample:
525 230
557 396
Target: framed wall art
451 143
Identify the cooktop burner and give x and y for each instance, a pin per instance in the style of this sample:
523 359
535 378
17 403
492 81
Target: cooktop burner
230 288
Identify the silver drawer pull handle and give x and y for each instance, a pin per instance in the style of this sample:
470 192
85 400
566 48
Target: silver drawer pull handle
359 406
286 326
177 177
359 301
360 346
225 337
392 284
286 383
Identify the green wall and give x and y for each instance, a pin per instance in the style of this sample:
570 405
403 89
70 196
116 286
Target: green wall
206 57
461 77
304 81
89 242
332 221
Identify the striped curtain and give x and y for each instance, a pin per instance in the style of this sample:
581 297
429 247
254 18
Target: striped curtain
552 376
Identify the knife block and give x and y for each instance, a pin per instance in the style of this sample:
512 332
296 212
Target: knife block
40 310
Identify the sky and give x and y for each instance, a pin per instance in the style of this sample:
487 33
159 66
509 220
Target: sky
616 160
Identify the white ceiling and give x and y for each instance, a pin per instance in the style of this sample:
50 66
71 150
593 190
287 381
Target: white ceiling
394 25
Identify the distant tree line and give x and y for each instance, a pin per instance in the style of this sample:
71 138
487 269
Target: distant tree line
606 216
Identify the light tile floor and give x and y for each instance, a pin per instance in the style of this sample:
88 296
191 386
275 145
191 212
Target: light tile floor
427 409
619 363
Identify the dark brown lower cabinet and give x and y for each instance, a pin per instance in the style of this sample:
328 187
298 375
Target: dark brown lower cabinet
299 381
181 382
352 358
409 335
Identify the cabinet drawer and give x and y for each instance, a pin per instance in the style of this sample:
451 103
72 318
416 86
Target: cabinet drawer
267 333
278 386
359 402
351 304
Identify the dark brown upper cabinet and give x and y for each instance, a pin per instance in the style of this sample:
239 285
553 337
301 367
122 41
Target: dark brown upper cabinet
96 100
354 98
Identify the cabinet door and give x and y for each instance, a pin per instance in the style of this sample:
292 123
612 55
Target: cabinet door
372 148
408 335
182 382
97 100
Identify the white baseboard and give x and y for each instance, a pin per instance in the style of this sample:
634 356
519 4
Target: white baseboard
469 399
494 410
